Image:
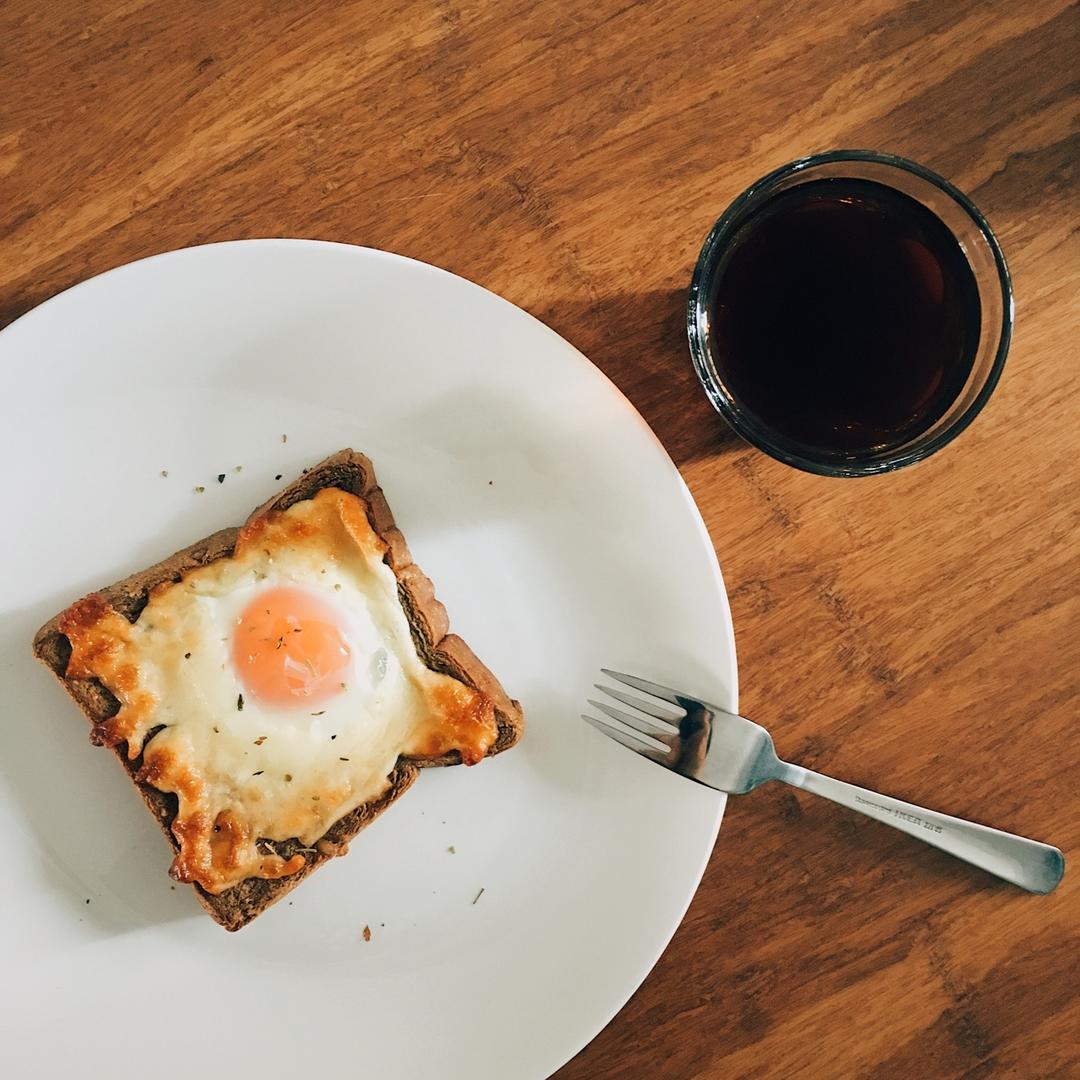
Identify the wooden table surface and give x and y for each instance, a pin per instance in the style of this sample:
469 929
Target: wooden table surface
918 632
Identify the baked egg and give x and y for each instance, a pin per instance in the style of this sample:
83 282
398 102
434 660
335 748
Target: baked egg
273 691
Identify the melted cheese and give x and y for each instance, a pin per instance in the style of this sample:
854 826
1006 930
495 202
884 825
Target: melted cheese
243 771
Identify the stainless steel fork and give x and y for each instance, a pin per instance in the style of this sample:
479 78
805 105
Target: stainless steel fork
733 754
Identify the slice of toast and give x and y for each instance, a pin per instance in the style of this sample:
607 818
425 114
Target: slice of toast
439 649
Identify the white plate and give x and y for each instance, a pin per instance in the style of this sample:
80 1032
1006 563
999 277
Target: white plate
560 537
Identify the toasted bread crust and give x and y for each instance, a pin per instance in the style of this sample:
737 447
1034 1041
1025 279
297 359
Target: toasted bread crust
440 650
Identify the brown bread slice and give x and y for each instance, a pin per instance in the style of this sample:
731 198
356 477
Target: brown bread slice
440 650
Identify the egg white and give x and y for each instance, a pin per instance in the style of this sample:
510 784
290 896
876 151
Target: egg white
309 760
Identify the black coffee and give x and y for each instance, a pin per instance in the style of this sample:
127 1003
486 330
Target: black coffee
844 317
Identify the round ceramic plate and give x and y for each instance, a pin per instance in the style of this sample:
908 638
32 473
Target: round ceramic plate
513 907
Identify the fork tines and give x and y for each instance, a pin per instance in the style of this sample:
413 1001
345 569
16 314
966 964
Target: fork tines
660 738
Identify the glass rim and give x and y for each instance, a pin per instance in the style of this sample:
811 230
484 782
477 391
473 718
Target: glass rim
758 434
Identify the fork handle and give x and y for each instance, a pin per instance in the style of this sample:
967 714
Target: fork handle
1027 863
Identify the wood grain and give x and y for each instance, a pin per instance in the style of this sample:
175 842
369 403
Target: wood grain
917 632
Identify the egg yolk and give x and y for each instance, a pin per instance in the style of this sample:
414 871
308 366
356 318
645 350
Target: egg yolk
288 648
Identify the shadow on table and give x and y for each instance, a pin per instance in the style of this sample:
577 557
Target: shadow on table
639 341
